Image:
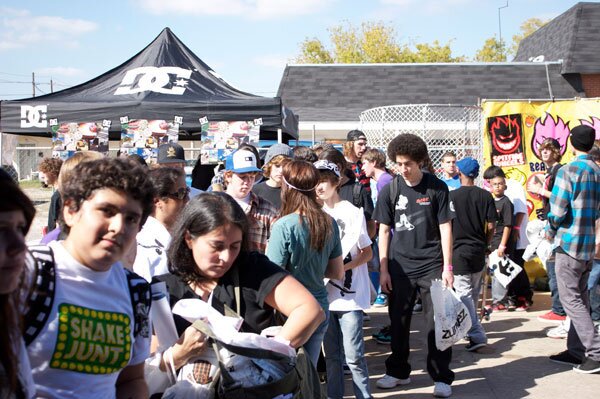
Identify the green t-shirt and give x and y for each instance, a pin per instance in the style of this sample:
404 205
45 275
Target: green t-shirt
289 247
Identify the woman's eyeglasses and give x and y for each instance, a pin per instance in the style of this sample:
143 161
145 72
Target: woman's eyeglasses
181 194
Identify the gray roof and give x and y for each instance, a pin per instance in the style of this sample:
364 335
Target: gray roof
340 92
573 37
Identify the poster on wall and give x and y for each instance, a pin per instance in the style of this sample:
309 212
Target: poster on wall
69 138
514 131
219 139
143 137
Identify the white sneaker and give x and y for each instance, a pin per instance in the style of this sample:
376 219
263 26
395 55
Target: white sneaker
389 382
442 390
560 331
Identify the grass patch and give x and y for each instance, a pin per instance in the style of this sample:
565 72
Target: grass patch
32 184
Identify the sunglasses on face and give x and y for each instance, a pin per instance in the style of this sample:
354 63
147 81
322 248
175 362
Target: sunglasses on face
180 194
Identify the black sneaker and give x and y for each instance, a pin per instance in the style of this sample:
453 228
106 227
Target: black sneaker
472 346
589 366
565 358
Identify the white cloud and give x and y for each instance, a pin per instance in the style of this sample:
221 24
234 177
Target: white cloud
20 29
69 72
255 9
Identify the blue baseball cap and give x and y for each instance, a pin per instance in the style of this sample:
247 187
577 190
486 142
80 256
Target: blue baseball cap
241 161
469 167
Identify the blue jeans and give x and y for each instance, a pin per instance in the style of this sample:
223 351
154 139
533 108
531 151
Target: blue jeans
312 347
550 269
594 288
345 337
467 287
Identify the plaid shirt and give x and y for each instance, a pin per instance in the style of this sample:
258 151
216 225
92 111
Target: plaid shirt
261 216
574 207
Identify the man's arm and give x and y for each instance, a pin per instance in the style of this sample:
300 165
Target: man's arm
446 236
131 384
384 246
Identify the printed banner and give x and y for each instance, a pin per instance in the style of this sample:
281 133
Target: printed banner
513 131
69 138
219 139
143 137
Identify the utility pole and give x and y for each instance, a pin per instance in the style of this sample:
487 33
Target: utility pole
51 86
33 82
500 22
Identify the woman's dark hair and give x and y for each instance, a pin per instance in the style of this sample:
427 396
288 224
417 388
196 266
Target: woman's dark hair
303 153
304 177
12 199
163 180
113 173
203 214
408 145
139 159
336 157
492 172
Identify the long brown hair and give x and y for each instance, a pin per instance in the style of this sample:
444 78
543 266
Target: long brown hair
298 195
12 199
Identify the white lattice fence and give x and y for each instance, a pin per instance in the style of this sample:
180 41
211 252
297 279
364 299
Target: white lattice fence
443 127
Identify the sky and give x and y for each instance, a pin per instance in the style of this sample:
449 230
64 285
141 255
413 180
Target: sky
247 42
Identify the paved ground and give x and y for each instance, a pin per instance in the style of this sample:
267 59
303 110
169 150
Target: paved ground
514 365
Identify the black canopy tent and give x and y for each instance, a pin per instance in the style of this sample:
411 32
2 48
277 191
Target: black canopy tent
164 80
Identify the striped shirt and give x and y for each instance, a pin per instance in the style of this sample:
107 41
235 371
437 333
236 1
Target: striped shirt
574 208
261 216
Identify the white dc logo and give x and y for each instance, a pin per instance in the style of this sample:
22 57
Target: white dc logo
154 79
34 116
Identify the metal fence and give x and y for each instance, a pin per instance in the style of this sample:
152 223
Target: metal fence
27 159
444 128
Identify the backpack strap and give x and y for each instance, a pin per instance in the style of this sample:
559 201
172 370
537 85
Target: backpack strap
141 299
394 190
40 301
356 198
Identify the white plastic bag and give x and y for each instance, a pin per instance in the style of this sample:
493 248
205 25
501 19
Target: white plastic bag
452 321
504 269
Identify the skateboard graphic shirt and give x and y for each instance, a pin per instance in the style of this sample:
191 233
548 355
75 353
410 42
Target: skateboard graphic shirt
415 216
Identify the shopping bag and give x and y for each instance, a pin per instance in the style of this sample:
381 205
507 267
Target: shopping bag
451 317
503 269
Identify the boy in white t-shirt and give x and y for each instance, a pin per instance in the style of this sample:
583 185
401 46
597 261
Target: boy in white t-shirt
94 342
350 296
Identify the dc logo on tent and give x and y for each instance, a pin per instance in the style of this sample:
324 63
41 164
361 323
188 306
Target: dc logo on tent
154 79
34 116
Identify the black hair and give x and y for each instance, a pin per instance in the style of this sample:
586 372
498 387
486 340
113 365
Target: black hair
163 180
201 215
303 153
409 145
112 173
492 172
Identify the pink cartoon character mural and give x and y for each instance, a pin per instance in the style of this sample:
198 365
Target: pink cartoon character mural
595 123
548 128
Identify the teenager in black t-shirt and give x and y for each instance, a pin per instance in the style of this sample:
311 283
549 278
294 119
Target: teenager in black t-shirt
420 251
472 230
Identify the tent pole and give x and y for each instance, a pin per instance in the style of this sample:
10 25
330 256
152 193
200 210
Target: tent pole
1 149
279 136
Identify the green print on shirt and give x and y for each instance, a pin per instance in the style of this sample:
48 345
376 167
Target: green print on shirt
91 341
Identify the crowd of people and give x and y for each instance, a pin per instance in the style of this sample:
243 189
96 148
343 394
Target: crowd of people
301 246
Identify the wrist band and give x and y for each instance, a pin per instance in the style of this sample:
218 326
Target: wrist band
517 227
501 246
448 268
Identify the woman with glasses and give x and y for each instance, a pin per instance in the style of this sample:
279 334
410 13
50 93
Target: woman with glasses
154 238
16 215
305 241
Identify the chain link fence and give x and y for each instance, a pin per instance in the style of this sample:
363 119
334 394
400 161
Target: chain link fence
444 128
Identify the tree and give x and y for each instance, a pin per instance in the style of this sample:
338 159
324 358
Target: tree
527 28
493 50
373 42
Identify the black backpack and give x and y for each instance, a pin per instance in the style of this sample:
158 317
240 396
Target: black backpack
41 298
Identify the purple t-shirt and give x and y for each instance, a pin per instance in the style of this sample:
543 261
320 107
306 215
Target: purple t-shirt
383 181
51 236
